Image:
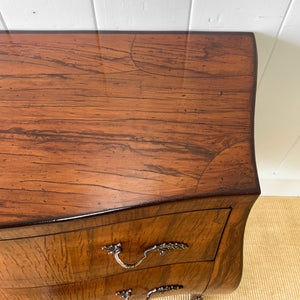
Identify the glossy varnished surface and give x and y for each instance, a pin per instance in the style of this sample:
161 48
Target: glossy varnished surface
50 253
91 122
78 255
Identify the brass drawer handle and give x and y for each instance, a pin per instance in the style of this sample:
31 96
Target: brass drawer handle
163 289
124 294
127 293
116 249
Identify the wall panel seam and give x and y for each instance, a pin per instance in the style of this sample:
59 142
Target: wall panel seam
190 14
2 21
94 14
293 145
281 26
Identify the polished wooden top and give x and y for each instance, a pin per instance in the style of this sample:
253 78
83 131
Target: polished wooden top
91 122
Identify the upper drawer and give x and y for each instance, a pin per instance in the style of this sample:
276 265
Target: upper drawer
78 255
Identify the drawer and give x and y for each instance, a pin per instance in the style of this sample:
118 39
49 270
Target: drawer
187 278
76 256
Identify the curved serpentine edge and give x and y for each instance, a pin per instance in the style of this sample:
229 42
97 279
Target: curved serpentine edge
227 271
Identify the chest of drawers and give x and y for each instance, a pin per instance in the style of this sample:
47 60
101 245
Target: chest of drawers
127 163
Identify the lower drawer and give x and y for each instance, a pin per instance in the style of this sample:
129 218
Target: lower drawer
173 279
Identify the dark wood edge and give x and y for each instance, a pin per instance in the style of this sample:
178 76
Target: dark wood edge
123 31
227 271
125 221
172 207
223 230
253 100
60 219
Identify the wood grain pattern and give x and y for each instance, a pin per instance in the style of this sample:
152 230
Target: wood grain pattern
163 208
228 265
89 124
139 138
193 277
78 255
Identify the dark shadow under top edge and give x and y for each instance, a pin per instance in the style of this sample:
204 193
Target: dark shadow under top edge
58 219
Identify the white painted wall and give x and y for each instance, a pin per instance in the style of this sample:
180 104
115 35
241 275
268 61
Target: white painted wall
142 15
278 111
48 14
276 24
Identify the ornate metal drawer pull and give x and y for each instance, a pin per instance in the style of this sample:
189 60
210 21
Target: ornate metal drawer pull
116 249
124 294
163 289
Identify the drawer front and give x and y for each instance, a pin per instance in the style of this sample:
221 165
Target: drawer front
76 256
176 279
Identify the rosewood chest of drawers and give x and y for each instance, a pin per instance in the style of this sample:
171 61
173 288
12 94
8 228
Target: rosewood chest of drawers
127 166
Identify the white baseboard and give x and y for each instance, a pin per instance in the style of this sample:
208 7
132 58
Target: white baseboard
280 187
